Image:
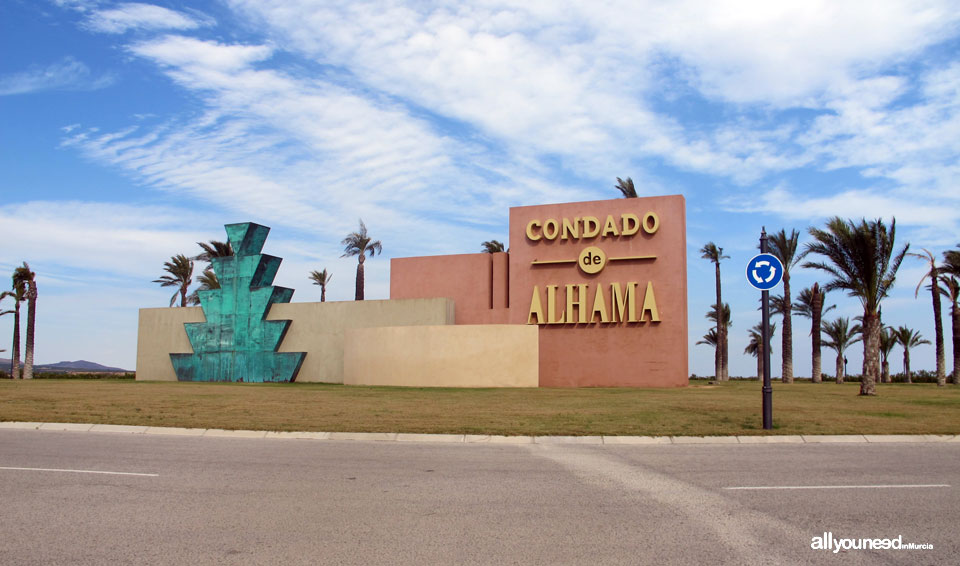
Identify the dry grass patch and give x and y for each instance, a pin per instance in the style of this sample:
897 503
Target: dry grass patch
725 409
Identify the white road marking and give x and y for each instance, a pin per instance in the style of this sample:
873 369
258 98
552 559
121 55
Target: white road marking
892 486
80 471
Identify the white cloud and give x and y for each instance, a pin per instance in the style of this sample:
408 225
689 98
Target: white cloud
67 74
136 16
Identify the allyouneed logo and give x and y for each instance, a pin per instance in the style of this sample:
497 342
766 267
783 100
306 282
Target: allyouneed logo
829 542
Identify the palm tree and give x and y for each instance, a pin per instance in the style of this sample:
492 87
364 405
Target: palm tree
909 338
179 274
208 280
862 261
18 293
321 278
950 288
933 273
809 304
359 244
492 247
755 347
951 284
29 280
785 248
887 342
626 187
715 254
214 249
840 336
726 323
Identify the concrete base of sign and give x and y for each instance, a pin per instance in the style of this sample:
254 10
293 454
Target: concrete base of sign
316 328
489 355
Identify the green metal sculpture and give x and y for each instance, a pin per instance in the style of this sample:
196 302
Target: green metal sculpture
237 343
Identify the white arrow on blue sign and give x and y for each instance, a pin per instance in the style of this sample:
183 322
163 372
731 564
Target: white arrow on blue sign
764 271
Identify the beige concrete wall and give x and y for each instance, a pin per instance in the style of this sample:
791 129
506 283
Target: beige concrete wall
489 355
315 328
160 333
318 328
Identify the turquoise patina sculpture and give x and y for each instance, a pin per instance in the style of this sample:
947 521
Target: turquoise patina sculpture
237 343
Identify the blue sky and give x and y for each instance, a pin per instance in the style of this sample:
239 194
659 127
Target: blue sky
131 131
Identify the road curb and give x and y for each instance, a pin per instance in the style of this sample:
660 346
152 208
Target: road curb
483 438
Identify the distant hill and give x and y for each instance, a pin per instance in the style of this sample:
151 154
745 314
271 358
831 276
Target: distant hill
77 366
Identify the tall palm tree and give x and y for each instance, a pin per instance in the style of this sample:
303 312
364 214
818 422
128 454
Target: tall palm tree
950 288
755 347
179 274
29 280
492 247
785 248
862 260
888 340
715 254
321 278
933 273
840 335
626 188
909 338
725 322
359 244
208 280
951 284
213 249
18 293
810 304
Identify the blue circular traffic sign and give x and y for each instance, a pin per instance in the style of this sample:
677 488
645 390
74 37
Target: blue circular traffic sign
764 271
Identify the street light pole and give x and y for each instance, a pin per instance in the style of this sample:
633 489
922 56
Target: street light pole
765 337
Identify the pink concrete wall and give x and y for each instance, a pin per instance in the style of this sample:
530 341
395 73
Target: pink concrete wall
647 354
477 283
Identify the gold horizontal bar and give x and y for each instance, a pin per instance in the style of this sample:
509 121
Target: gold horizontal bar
633 257
545 261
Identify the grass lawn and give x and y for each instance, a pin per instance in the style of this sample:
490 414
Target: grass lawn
700 409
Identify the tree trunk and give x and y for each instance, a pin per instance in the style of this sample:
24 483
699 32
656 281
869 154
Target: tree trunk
183 296
725 358
15 349
718 357
786 368
955 315
760 363
906 364
871 354
816 315
839 367
323 293
31 319
359 294
938 328
885 376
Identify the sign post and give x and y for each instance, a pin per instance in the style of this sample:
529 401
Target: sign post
764 272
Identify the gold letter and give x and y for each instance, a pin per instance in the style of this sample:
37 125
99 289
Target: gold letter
631 224
573 229
536 308
552 306
599 306
620 305
579 303
650 304
547 233
591 226
610 227
647 218
530 227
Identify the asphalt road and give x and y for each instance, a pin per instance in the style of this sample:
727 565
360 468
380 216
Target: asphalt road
273 501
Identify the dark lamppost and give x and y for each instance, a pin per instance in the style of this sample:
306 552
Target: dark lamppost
765 337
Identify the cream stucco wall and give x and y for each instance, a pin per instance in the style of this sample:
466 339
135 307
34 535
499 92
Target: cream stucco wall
316 328
489 355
